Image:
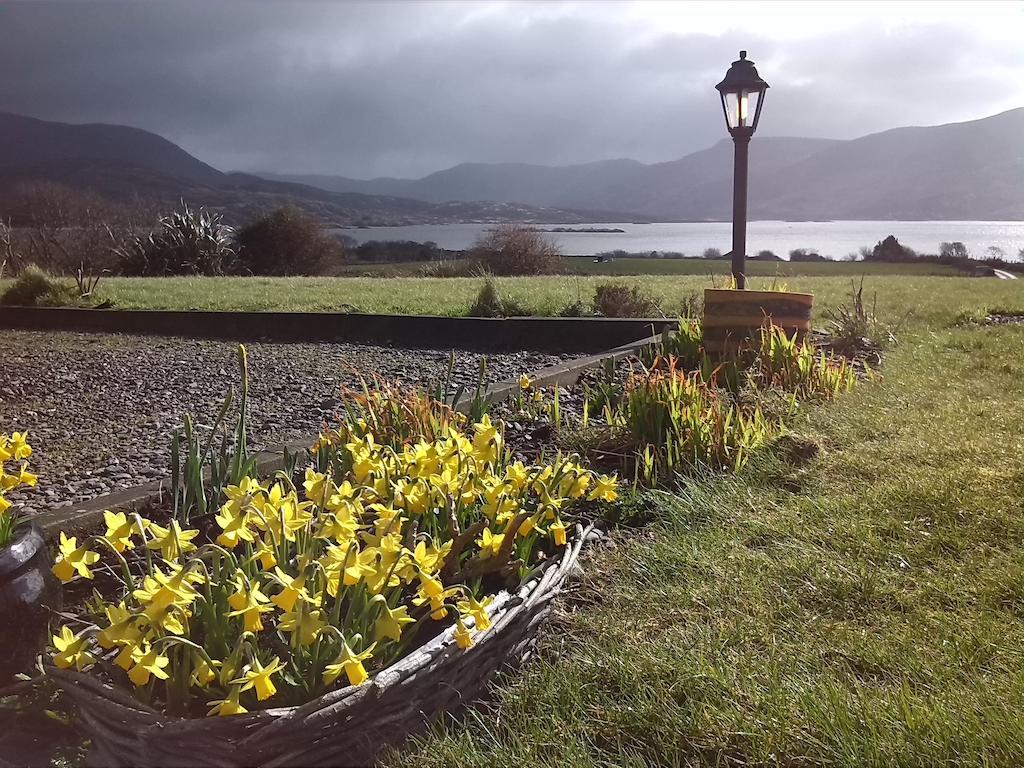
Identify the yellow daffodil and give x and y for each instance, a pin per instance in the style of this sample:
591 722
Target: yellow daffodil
202 672
172 541
249 602
351 663
478 610
258 677
525 382
303 623
557 529
148 662
606 489
121 629
119 530
490 543
293 590
390 623
229 705
462 635
72 558
72 650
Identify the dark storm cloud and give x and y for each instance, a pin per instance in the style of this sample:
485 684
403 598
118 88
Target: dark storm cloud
404 89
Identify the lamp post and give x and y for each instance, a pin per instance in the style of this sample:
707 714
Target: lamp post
740 86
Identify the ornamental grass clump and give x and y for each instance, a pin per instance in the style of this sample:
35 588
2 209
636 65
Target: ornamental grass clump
669 420
300 586
783 363
14 454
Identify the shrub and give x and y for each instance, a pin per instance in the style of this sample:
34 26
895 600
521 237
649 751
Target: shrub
767 255
512 249
890 249
805 254
489 303
954 250
576 308
188 242
35 288
712 253
616 300
286 242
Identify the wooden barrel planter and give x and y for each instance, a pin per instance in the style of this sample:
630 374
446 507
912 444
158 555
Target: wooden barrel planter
345 727
732 316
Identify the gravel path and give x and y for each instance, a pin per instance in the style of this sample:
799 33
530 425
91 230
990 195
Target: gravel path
100 409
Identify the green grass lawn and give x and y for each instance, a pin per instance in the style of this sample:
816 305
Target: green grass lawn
897 294
781 269
585 265
866 608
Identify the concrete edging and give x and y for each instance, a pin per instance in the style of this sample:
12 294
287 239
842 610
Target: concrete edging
87 516
559 334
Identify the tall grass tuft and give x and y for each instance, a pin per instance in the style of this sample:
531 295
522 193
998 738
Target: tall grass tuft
669 420
201 470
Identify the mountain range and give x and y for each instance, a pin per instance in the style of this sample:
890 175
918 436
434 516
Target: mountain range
129 165
969 170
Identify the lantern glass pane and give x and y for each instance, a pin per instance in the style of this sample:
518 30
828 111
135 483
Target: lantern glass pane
741 108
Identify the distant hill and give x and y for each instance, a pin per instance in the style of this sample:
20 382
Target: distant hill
971 170
26 141
128 164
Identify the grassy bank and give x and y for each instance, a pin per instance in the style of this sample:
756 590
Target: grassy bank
897 295
866 608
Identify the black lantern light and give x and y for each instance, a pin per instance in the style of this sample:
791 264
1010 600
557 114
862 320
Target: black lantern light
742 91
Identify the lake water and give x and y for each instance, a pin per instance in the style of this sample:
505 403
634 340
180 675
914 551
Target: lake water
834 239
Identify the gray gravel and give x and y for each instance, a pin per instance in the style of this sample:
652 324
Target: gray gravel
100 409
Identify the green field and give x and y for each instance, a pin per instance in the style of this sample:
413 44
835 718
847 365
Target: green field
897 294
865 608
585 265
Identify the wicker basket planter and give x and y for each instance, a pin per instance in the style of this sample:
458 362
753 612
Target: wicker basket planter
344 727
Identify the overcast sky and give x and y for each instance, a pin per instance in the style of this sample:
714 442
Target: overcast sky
408 88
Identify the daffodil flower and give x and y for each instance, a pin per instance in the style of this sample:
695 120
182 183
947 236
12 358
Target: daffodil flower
351 663
606 489
172 541
72 650
148 662
557 529
228 706
72 558
490 543
478 610
463 637
390 623
293 590
303 623
119 530
258 677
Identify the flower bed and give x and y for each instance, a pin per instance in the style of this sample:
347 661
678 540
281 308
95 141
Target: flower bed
413 549
344 727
